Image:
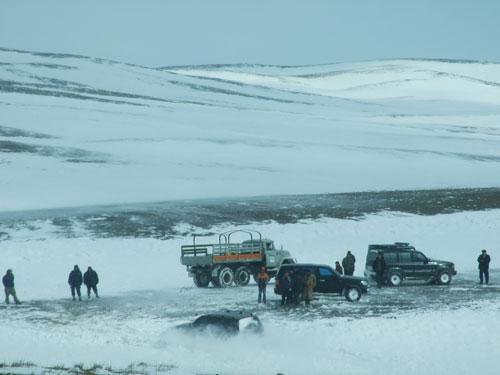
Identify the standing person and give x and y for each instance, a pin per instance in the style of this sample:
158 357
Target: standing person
484 267
8 284
286 288
90 279
348 264
262 280
309 287
75 282
379 267
339 268
297 287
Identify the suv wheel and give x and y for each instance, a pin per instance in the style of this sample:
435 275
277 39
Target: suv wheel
395 279
226 277
242 276
352 294
444 278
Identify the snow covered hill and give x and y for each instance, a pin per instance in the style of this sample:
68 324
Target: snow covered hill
77 131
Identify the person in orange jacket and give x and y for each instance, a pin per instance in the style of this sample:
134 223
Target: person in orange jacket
262 280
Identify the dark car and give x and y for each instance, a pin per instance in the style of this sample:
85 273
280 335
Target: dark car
225 323
327 280
405 262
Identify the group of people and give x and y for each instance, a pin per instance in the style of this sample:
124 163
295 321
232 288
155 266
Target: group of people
294 286
89 278
347 267
75 281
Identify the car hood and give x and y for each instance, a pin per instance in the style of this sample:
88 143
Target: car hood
441 262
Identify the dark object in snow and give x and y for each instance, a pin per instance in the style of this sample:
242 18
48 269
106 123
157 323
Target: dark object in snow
225 323
404 262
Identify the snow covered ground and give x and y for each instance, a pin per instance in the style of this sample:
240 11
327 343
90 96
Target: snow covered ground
83 132
92 131
146 292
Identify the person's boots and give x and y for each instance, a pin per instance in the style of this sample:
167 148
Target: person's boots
79 298
74 298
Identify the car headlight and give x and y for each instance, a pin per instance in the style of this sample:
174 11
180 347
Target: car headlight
364 283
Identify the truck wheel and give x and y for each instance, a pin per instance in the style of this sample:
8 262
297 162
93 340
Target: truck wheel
226 277
395 279
352 294
215 282
242 276
201 279
444 278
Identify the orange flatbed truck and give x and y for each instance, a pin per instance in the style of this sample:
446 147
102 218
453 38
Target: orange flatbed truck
225 263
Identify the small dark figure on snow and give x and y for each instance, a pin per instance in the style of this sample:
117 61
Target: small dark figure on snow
339 268
379 267
262 280
348 264
75 280
285 288
484 267
8 284
90 279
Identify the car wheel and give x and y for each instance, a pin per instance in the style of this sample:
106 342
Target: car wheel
444 278
395 279
226 277
201 279
352 294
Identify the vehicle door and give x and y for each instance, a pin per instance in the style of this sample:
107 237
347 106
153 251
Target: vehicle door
327 280
405 262
421 265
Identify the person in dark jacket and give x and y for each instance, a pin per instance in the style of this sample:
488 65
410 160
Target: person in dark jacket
75 282
262 280
297 288
285 288
90 279
484 267
379 267
8 284
348 264
339 268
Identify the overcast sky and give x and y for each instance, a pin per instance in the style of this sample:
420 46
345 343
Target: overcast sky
183 32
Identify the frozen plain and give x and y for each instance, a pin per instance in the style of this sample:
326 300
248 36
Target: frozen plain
79 131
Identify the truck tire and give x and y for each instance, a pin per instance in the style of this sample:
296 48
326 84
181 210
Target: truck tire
352 294
215 282
201 279
226 277
444 278
395 279
242 276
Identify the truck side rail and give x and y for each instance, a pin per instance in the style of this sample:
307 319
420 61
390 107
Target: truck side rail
218 250
197 250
